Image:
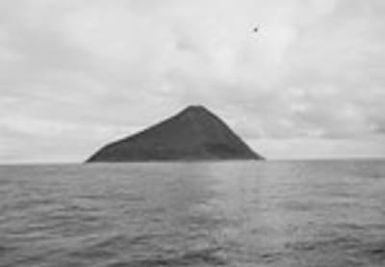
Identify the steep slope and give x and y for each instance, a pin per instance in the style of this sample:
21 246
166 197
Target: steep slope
193 134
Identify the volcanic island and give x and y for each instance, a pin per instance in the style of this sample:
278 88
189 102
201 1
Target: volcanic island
194 134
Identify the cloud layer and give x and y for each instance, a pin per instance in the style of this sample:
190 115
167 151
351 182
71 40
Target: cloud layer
76 73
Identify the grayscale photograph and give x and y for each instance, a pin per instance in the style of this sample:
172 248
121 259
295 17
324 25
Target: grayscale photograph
196 133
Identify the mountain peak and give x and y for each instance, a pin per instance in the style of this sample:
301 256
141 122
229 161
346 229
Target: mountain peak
195 109
193 134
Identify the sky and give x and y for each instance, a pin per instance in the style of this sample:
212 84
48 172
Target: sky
76 74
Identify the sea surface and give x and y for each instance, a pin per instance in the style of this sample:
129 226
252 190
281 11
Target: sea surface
273 213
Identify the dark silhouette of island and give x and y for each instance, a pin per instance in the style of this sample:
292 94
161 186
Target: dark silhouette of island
194 134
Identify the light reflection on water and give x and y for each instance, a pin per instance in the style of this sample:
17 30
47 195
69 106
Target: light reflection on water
315 213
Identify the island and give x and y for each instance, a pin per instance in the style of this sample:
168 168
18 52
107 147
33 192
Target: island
194 134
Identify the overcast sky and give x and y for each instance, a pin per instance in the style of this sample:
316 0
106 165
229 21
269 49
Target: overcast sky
75 74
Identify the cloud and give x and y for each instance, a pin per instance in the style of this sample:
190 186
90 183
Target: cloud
72 69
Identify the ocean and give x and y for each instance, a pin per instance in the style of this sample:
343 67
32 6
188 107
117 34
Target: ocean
252 213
